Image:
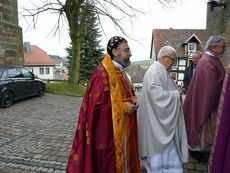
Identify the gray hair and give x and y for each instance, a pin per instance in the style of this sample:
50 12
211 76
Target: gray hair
198 52
213 41
165 51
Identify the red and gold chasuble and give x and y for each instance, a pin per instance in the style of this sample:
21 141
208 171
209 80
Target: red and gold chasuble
104 125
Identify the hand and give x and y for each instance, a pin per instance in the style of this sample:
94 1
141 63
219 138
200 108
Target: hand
135 101
131 108
180 92
179 89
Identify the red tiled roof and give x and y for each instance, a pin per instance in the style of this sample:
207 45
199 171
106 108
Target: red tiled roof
177 38
37 57
57 62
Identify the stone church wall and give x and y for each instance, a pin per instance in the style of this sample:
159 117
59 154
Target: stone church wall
11 47
218 23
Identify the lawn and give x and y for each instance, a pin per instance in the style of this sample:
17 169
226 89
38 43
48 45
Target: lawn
66 88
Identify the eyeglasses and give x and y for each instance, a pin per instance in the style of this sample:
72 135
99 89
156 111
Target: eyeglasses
126 50
173 59
223 47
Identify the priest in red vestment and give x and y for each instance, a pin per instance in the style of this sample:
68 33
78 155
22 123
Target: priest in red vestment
106 135
202 98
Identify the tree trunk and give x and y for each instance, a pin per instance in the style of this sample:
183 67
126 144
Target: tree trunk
75 65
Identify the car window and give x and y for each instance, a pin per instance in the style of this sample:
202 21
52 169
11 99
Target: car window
1 71
26 73
14 73
4 75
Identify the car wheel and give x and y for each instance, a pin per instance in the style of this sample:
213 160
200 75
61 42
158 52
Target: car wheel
41 91
7 99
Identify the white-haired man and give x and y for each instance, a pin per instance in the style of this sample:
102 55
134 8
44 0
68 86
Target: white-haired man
162 136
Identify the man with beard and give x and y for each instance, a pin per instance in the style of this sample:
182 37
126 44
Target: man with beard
106 135
201 102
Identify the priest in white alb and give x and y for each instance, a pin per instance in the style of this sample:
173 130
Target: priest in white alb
162 138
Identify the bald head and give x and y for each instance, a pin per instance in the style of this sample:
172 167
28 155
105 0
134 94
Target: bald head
166 56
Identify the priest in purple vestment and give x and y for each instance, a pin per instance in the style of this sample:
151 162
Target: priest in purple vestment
202 98
220 153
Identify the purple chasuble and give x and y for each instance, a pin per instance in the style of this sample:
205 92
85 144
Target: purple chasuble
221 158
202 99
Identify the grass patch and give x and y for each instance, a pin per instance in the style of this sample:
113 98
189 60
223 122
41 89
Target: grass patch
66 88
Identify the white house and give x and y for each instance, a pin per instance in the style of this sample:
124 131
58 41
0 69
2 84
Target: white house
38 61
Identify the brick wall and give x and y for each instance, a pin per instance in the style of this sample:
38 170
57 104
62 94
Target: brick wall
11 47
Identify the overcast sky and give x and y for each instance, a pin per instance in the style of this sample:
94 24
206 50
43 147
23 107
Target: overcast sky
189 14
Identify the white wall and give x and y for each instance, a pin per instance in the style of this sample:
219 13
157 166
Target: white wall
36 71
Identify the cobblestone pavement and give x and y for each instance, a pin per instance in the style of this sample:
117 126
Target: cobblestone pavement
36 134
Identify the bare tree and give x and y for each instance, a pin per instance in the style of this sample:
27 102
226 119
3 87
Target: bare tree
75 12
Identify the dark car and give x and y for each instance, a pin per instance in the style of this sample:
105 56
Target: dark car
18 83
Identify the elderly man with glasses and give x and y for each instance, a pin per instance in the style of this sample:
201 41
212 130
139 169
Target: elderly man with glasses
161 128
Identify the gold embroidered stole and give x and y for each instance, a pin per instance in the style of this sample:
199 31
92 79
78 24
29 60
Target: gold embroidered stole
120 92
132 157
117 113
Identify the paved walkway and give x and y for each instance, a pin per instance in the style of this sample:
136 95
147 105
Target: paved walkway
36 134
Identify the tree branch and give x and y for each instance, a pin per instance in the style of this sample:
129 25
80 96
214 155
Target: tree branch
76 8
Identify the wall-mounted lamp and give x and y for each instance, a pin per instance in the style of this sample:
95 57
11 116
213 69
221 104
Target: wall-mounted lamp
214 3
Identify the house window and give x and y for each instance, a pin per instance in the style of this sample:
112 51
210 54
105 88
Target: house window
175 64
47 70
191 48
174 75
41 70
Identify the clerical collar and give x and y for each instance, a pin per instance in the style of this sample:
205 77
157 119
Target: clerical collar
209 53
118 65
